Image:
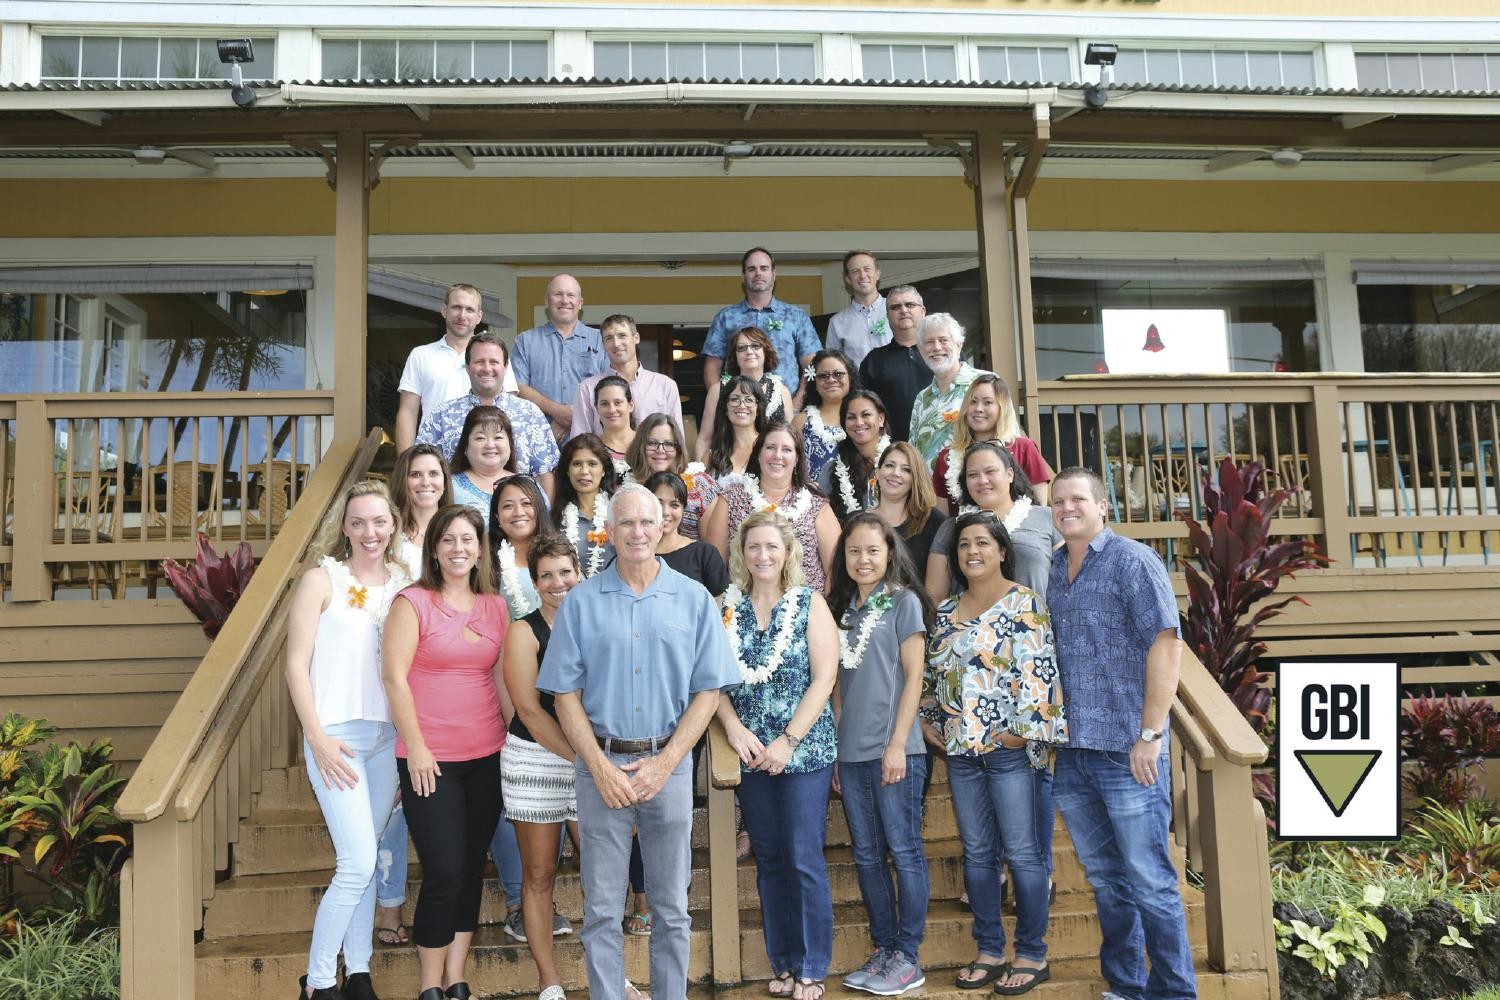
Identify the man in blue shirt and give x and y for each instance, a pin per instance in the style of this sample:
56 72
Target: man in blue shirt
790 329
637 659
1119 651
551 359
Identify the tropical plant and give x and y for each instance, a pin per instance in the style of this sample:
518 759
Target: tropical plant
1240 569
51 960
211 584
1348 937
1466 837
1444 739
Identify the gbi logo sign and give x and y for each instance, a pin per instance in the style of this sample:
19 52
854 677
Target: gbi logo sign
1338 763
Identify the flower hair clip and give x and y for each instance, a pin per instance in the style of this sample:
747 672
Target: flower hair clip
809 374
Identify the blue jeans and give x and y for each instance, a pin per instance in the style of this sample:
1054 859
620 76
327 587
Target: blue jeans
666 826
786 816
355 817
994 799
888 818
1120 830
507 855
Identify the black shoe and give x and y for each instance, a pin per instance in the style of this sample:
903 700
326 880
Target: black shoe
458 991
357 986
432 993
318 993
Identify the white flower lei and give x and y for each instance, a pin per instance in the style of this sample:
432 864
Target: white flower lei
570 531
830 436
951 476
1018 511
622 469
343 578
774 402
850 657
510 580
758 502
846 486
733 597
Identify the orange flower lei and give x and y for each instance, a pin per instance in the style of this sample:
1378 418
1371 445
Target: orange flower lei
358 596
950 417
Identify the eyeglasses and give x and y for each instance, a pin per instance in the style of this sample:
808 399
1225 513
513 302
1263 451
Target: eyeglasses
903 305
747 348
831 376
742 401
661 445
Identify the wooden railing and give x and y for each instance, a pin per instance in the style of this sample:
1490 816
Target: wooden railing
200 778
99 489
1388 470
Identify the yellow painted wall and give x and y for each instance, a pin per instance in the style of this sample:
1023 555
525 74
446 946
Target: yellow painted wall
667 290
415 206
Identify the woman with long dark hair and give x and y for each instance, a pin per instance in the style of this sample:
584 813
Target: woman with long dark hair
616 408
848 480
752 356
658 447
831 377
586 480
739 419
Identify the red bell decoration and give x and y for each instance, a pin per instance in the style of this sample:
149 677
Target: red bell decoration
1279 365
1100 367
1153 340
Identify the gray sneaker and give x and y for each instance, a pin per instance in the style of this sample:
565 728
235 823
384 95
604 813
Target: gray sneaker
856 980
560 925
895 977
515 926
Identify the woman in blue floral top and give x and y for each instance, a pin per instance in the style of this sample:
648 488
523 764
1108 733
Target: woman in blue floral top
995 702
780 723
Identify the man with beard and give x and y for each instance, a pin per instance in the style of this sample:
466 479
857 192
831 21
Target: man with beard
935 410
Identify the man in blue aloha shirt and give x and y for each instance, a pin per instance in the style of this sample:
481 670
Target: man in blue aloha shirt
790 329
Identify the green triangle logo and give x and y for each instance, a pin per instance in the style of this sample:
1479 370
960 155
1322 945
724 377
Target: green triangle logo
1337 774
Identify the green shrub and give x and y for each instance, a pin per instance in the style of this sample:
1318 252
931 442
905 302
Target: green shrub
51 960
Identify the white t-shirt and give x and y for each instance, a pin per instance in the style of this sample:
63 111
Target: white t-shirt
436 372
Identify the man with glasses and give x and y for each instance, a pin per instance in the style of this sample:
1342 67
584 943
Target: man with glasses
650 392
790 329
861 326
551 359
896 371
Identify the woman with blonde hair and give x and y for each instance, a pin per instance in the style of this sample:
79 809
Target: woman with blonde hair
988 414
333 676
658 447
780 723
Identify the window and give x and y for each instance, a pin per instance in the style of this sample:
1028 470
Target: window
651 60
934 63
433 59
1430 328
1024 64
119 59
1215 67
1428 70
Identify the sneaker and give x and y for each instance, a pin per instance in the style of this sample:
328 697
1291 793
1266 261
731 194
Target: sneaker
560 925
856 980
895 977
515 925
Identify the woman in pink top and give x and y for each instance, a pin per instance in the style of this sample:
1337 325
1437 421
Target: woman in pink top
442 666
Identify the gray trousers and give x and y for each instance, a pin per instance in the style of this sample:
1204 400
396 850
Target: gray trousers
666 825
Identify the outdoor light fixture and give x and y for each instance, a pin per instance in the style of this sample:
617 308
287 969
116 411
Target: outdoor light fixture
235 51
149 155
1103 55
737 150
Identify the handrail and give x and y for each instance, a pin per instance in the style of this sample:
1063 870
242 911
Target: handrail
160 774
1212 715
723 762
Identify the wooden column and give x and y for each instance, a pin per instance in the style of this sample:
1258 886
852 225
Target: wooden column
1026 391
164 908
1326 479
351 254
997 274
35 506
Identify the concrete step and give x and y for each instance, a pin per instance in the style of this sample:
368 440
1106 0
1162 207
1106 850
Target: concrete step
243 967
288 901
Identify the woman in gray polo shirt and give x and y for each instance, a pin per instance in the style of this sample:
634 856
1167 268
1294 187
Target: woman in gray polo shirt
883 615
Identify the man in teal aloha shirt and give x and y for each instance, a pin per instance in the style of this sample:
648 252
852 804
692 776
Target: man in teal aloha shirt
935 410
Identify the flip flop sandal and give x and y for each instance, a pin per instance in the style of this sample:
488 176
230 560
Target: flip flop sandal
991 971
1037 976
782 985
804 985
392 937
638 925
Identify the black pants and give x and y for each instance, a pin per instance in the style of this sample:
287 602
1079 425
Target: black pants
452 828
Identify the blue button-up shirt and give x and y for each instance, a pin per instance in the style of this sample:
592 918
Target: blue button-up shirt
534 445
553 365
1103 624
637 658
789 328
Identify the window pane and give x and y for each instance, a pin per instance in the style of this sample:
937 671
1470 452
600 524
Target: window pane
612 60
1370 71
264 67
138 58
101 58
797 62
722 60
1229 69
528 60
942 63
907 63
60 57
877 61
1405 72
1430 328
1468 71
179 58
414 60
455 60
1162 66
340 60
377 60
759 61
685 59
1297 69
1130 66
1437 71
992 64
1492 64
1198 68
1025 65
1265 69
1056 66
648 60
491 60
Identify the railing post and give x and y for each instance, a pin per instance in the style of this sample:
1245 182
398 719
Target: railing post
35 506
158 918
723 865
1233 831
1326 475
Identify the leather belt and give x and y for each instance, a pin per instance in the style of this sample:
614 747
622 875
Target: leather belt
611 745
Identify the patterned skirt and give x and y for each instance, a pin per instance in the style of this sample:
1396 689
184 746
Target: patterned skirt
537 783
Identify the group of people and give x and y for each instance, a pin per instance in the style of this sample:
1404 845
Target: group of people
857 574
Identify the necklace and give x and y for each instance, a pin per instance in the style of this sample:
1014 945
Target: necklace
510 581
1012 521
829 435
850 657
734 598
358 593
774 402
792 510
596 538
846 485
951 477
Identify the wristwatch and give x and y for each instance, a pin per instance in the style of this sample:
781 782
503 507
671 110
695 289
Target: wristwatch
792 741
1149 735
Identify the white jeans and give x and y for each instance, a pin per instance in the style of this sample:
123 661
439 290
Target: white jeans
355 817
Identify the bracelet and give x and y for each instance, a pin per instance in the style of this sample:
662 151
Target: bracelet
792 741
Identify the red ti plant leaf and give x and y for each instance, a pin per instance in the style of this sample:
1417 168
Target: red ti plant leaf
211 584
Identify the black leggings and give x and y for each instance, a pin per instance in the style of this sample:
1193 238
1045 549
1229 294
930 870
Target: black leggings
451 828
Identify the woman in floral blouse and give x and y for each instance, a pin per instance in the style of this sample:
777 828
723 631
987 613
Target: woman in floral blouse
995 702
780 723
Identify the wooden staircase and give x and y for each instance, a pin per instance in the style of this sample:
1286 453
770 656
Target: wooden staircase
257 927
